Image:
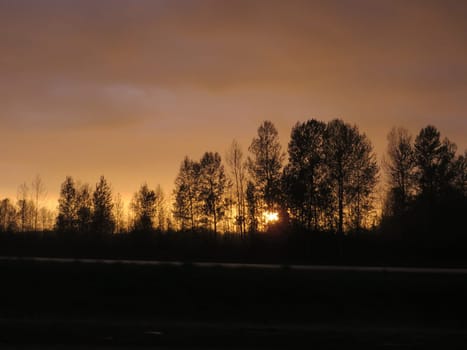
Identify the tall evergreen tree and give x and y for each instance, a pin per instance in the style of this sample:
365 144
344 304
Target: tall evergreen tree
212 183
67 213
186 193
144 208
434 162
103 220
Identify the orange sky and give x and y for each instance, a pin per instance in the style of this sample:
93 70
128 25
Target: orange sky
128 88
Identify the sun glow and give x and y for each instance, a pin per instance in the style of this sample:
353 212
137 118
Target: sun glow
270 217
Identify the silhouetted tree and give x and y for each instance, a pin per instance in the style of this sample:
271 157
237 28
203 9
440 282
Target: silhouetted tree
230 217
252 205
362 183
83 207
38 191
439 203
237 165
8 216
305 180
434 162
265 164
144 208
400 167
103 220
119 213
433 200
46 218
212 182
186 194
460 180
161 217
25 208
67 209
22 203
352 169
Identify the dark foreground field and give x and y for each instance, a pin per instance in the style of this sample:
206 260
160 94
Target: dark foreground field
52 305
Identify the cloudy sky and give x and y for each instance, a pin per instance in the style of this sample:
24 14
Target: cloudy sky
128 88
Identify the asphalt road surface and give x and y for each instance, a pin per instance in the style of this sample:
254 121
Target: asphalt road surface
311 268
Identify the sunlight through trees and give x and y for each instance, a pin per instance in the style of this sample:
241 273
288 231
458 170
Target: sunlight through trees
328 184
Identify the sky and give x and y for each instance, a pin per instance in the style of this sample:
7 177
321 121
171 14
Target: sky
127 89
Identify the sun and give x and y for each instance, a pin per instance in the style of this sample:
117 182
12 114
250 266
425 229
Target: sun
270 217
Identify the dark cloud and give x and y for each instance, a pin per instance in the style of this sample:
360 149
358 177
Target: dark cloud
215 43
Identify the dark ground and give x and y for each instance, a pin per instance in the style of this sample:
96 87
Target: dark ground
49 305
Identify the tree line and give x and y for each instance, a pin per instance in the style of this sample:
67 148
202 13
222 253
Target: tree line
98 213
327 184
28 213
326 181
427 185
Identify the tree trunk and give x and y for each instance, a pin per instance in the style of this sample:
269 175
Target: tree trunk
340 228
340 232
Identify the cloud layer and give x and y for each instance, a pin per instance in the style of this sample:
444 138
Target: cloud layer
151 81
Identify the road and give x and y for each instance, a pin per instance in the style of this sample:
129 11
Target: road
311 268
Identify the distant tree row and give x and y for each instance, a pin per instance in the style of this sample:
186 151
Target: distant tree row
28 213
327 184
85 211
82 210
